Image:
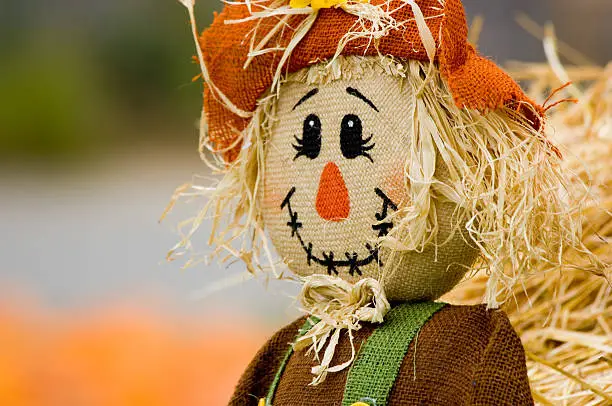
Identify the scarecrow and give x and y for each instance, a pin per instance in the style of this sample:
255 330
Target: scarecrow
385 159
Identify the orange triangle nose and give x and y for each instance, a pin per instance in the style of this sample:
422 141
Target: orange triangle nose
333 202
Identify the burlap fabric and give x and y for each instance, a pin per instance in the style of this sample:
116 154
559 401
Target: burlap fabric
465 355
476 83
374 373
409 275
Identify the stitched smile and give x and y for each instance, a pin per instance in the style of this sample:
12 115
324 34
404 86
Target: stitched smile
353 261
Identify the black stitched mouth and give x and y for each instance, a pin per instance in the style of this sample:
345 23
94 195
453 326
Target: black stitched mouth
353 261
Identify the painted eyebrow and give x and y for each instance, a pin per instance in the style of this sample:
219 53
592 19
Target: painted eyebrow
307 96
354 92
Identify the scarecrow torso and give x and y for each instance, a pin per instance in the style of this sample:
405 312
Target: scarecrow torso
464 355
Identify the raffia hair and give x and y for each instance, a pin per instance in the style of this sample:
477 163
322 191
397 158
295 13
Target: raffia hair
515 201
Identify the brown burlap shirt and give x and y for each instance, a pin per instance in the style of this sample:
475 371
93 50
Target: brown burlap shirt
465 355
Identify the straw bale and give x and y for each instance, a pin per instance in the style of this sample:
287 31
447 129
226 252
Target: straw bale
563 317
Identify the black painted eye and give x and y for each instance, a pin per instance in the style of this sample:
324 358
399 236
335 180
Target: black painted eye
310 143
352 142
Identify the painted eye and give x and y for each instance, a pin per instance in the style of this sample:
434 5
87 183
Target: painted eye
352 142
310 143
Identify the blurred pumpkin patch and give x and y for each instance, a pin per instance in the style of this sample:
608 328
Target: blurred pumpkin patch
119 357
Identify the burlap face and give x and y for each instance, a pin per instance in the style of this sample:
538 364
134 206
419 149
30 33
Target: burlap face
334 169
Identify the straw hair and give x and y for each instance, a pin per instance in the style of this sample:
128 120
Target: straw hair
233 202
519 208
563 317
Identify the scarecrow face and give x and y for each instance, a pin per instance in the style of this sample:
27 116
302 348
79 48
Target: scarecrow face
334 172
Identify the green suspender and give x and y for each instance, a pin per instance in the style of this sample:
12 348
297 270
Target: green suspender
375 370
310 323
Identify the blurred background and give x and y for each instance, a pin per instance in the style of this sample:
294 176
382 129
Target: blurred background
98 118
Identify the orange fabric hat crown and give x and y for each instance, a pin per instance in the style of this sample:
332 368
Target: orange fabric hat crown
475 82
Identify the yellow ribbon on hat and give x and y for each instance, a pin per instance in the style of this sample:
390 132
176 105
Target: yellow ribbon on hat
319 4
316 4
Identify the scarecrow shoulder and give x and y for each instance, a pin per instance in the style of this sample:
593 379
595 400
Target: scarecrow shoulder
257 378
501 375
464 355
467 324
473 323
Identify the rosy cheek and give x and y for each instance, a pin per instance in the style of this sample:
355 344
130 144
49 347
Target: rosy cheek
394 186
273 198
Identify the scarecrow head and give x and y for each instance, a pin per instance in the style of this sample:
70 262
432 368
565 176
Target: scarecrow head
368 140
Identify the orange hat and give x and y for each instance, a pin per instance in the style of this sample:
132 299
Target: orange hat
475 82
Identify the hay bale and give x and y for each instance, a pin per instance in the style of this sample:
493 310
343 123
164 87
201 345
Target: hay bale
563 318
